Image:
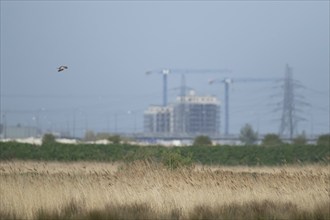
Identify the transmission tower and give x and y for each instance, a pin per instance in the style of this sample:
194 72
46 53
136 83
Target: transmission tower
290 105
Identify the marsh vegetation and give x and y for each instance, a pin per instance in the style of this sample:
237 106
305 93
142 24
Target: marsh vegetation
149 190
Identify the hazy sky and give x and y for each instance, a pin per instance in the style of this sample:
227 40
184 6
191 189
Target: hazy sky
109 45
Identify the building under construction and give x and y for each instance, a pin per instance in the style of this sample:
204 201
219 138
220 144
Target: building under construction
189 115
158 119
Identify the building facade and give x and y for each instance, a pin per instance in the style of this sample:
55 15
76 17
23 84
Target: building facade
158 119
189 115
197 115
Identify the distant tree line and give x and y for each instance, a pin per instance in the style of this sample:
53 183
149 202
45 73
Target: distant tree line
249 137
202 152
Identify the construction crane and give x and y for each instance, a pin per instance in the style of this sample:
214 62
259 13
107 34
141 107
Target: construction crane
227 81
166 72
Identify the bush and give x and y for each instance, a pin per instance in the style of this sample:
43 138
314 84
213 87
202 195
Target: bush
115 139
174 159
247 135
324 140
48 139
300 139
272 140
202 141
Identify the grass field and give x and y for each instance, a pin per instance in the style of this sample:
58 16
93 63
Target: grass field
143 190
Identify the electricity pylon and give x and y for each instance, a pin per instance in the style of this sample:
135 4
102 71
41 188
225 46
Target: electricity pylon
290 105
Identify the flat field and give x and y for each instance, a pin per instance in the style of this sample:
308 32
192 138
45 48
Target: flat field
145 190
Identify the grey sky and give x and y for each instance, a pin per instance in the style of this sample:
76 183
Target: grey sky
109 45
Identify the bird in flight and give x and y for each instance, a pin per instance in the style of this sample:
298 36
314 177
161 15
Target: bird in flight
61 68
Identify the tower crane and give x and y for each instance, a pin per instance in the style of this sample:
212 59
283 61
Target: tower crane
227 81
167 71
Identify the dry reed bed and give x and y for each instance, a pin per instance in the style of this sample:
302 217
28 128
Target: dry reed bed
28 187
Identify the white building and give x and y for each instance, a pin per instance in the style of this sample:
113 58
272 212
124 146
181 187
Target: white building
189 115
197 115
158 119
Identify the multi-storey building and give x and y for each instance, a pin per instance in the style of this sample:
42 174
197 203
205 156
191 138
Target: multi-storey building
189 115
197 115
158 119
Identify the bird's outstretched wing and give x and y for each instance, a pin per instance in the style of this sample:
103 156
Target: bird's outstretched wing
61 68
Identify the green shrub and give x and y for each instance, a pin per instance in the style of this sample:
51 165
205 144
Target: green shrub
48 139
202 140
300 139
324 140
247 135
115 139
272 140
174 159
